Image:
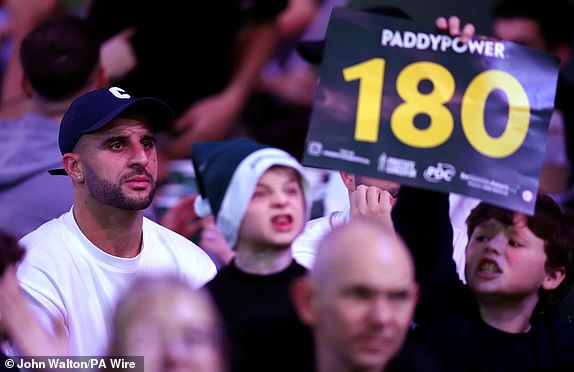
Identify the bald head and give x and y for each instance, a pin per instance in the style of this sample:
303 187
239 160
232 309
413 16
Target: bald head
362 244
360 297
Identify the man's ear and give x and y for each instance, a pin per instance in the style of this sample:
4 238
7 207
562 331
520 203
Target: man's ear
73 166
303 292
348 180
553 278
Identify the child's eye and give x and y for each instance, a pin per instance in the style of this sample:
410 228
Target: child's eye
292 190
514 243
259 193
481 238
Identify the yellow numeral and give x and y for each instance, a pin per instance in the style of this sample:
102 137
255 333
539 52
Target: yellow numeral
370 74
431 104
472 114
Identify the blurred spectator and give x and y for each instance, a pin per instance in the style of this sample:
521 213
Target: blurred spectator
22 17
201 58
60 58
360 299
18 324
170 324
278 112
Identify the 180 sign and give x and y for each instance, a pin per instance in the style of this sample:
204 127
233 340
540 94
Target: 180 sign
371 75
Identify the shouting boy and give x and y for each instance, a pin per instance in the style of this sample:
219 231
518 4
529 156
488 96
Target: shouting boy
518 268
260 200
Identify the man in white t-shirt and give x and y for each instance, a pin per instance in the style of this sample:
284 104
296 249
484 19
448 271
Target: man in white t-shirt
77 265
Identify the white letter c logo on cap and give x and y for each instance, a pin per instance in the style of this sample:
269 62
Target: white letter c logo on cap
119 93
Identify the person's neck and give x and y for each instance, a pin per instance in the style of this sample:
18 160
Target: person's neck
262 261
511 316
116 232
54 110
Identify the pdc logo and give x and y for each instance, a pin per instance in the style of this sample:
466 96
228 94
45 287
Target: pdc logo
441 172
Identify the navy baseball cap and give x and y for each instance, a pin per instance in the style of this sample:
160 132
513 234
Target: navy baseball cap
96 109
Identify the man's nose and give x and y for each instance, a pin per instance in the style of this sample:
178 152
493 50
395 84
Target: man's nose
139 155
381 311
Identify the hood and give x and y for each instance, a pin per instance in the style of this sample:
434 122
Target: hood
29 146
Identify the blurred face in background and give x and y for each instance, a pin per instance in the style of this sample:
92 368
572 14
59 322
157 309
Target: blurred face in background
175 330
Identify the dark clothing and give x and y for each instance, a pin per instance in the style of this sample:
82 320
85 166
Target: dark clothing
449 323
463 342
264 330
413 358
421 217
185 49
563 102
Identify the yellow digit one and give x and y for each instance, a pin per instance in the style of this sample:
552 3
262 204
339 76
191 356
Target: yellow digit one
431 104
472 114
371 76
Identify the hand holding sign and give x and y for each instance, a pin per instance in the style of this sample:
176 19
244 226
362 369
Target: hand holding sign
397 102
453 27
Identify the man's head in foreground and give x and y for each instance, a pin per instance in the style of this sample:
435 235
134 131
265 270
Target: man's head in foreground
359 298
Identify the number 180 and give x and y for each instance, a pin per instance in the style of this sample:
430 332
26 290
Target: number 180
371 76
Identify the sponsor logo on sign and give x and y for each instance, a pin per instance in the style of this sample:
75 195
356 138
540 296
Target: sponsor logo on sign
439 173
396 166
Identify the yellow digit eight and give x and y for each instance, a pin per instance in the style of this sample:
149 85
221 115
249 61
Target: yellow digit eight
415 103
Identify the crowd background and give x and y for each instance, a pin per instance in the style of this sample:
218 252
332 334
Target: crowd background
273 103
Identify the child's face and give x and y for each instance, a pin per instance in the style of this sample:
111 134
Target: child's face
505 262
276 213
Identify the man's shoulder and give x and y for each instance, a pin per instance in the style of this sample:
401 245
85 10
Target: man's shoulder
50 249
47 235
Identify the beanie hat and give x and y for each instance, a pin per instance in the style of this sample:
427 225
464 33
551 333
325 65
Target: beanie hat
227 173
96 109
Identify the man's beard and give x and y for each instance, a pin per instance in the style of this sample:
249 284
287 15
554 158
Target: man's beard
111 194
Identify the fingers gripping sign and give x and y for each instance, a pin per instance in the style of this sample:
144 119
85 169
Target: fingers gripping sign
372 202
